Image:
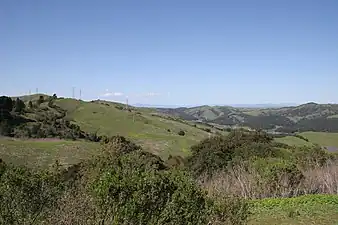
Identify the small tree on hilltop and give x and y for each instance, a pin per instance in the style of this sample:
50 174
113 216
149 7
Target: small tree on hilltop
6 106
30 104
41 99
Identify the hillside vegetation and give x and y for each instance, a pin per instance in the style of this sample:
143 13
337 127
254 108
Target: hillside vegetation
65 161
242 178
51 117
306 117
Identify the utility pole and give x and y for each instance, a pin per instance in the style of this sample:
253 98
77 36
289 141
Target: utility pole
30 92
127 102
37 90
80 94
73 92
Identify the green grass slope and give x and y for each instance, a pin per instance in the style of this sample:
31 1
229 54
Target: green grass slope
151 132
307 209
294 141
322 138
44 152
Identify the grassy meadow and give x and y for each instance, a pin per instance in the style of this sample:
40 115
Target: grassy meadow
307 209
44 152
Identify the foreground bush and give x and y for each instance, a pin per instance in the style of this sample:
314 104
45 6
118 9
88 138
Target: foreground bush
137 188
278 176
26 196
310 157
218 152
123 185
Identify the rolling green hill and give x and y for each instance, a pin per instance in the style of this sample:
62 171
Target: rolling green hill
156 133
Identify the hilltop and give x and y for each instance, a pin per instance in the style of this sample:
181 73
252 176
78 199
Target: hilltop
305 117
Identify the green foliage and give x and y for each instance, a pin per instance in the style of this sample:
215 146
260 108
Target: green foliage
301 137
120 145
26 195
217 152
41 100
208 130
230 210
19 106
181 133
30 105
309 157
277 174
6 106
175 161
137 188
5 128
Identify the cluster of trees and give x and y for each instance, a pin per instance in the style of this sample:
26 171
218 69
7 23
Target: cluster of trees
319 125
43 121
7 106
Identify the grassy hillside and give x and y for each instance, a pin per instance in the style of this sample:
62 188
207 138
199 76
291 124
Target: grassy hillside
44 152
291 140
158 134
322 138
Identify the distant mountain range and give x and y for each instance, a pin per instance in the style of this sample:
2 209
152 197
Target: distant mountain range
306 117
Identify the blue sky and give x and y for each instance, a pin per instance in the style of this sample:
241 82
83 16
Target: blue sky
172 52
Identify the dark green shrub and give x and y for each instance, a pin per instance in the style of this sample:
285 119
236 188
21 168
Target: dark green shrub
210 155
26 195
309 157
120 145
229 210
277 175
6 128
217 152
6 106
181 133
40 100
207 130
137 188
19 106
30 105
175 161
301 137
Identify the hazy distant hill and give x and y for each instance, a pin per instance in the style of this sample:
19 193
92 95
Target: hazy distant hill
306 117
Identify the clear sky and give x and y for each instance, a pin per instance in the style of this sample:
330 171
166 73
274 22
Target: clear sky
173 52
